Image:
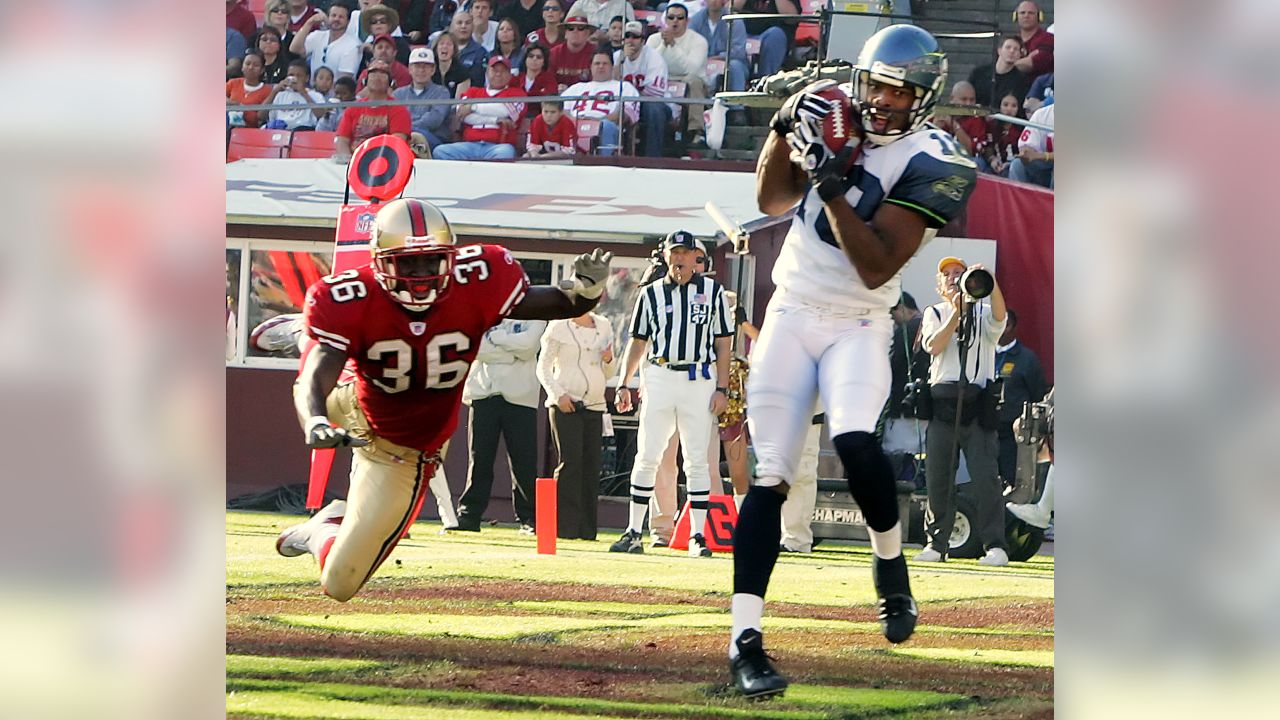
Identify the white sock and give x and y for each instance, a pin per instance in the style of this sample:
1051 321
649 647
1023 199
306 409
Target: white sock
887 545
1045 504
319 535
748 611
697 521
638 511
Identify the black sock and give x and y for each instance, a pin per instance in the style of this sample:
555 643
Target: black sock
890 576
870 478
755 540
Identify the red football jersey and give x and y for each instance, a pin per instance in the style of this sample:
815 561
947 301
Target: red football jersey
410 366
560 138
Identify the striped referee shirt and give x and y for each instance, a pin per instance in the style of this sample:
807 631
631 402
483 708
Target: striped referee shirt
681 322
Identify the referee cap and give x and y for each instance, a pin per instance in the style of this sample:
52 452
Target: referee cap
680 238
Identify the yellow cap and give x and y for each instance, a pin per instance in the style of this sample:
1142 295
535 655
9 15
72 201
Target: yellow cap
944 262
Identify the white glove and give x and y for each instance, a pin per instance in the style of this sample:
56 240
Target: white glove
589 274
320 434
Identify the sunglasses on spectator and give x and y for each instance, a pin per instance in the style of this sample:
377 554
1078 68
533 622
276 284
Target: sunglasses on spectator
677 17
379 20
638 36
572 28
550 8
272 38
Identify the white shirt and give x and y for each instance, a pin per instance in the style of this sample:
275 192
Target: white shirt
916 169
488 37
1039 140
647 72
340 56
980 361
687 56
296 117
505 364
600 99
572 361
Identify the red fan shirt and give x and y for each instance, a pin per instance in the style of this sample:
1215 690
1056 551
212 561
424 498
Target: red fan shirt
561 138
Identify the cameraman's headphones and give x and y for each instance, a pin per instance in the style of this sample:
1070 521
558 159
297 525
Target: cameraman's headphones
707 261
1039 13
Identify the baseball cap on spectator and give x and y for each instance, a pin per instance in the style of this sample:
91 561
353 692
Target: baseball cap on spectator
382 37
944 262
377 68
422 55
680 238
635 27
499 60
578 20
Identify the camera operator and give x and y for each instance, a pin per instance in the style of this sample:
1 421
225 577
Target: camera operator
1039 513
962 325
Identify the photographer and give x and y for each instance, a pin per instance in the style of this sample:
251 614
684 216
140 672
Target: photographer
1040 513
962 325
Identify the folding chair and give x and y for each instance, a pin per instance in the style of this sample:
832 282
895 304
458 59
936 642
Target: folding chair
261 137
238 151
588 134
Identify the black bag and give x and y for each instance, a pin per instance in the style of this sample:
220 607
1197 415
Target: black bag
992 400
944 402
918 401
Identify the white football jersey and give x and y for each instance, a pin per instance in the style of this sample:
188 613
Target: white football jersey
599 99
925 171
647 72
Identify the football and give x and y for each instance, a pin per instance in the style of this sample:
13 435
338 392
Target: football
842 124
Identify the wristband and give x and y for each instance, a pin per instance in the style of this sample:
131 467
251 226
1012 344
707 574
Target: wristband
830 189
721 389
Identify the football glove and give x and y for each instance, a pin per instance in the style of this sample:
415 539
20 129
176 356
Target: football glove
321 434
804 105
824 168
589 274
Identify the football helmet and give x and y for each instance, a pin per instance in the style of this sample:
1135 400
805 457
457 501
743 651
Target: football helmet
413 252
901 56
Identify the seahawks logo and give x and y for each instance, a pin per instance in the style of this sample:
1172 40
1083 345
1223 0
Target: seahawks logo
952 187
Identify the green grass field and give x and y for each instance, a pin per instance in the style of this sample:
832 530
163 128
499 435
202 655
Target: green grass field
480 626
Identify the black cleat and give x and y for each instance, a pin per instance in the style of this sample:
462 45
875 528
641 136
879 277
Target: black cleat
629 543
897 609
898 617
753 673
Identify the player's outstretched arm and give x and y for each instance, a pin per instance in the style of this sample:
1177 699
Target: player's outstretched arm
319 376
574 297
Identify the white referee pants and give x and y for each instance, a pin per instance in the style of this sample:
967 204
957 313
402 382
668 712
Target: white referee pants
797 510
671 402
805 351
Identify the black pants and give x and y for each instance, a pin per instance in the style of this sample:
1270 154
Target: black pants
577 437
518 426
1008 453
980 450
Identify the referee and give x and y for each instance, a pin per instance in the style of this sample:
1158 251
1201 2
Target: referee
682 331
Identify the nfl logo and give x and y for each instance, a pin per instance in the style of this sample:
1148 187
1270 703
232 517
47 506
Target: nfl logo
364 222
864 323
417 328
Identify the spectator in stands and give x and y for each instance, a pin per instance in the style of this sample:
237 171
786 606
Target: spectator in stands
613 36
441 16
708 24
552 33
241 19
599 99
300 11
430 120
484 30
686 56
551 134
537 80
293 91
384 55
249 89
1036 41
995 80
488 129
775 39
322 82
509 43
1003 139
572 60
1034 163
359 123
471 54
1040 94
236 47
527 14
643 67
332 47
600 13
275 57
969 130
414 21
277 18
377 21
450 74
344 90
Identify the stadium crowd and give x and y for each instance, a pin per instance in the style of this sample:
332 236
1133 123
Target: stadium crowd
290 52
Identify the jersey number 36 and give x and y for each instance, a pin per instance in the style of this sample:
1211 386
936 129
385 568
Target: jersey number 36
397 358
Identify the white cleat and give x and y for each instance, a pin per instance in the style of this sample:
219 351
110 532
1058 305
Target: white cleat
929 555
1030 514
995 557
698 546
294 540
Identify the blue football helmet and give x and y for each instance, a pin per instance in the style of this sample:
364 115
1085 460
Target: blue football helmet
902 56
